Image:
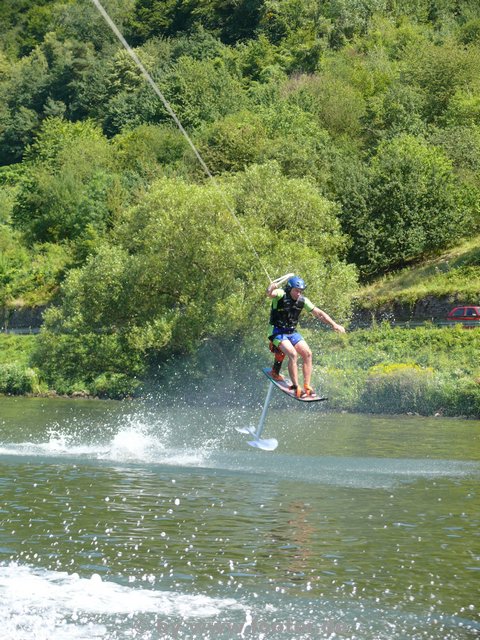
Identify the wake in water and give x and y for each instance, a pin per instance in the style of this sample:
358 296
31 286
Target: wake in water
42 604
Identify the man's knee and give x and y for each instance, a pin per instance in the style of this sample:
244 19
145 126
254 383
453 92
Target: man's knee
293 356
305 352
288 350
279 355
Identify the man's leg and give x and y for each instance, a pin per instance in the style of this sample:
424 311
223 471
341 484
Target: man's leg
289 350
305 353
277 363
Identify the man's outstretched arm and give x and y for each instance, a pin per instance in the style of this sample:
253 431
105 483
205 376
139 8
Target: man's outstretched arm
325 318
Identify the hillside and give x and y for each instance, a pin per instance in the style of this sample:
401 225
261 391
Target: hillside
344 139
428 289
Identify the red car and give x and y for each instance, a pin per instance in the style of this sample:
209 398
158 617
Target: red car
464 314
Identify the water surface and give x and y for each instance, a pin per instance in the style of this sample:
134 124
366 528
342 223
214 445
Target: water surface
141 520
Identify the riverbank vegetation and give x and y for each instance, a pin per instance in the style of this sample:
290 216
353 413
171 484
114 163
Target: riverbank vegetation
344 137
16 374
426 371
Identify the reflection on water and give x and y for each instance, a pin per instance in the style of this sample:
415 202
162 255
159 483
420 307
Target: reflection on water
124 521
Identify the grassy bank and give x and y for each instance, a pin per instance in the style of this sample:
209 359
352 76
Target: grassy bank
455 273
425 370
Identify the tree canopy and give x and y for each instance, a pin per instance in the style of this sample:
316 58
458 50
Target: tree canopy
344 136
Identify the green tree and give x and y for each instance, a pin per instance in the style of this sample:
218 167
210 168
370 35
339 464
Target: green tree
24 23
335 103
396 111
259 59
470 32
414 206
298 143
82 22
22 96
234 142
201 92
349 186
48 82
350 18
231 21
143 153
464 107
178 269
67 185
37 23
290 213
462 145
198 92
439 70
281 132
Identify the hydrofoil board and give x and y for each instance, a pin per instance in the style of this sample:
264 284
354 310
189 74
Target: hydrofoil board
284 385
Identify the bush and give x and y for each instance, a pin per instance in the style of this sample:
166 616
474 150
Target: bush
384 369
459 396
68 184
89 362
16 380
342 387
114 385
398 388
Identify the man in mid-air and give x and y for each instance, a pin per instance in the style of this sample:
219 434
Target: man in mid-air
287 305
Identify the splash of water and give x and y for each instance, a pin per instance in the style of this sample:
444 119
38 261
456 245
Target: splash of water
138 437
42 604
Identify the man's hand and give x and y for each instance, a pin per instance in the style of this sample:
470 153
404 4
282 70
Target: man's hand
338 328
272 290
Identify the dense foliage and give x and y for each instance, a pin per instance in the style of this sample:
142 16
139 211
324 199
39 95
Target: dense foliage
344 137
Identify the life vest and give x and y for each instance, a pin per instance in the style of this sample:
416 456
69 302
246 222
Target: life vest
285 313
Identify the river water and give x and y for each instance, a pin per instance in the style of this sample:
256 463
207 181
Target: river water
146 521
